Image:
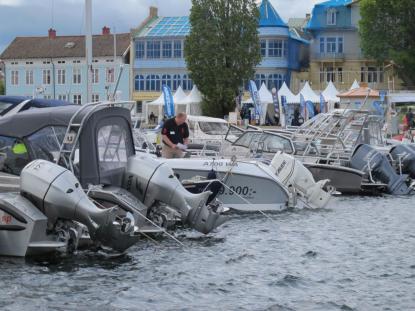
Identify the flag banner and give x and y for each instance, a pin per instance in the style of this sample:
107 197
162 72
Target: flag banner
310 109
302 106
323 106
378 107
255 98
275 101
168 101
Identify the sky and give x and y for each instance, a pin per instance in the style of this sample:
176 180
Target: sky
35 17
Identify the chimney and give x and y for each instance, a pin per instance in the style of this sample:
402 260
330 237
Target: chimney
153 12
52 33
106 30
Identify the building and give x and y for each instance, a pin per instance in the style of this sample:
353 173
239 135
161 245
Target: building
157 55
335 53
55 66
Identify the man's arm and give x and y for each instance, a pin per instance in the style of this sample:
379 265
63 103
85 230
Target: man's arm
168 142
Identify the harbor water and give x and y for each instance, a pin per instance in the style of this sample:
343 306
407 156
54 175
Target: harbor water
357 254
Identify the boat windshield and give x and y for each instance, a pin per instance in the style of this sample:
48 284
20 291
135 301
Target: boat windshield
4 107
45 143
13 155
213 128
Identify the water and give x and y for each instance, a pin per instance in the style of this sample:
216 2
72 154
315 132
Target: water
359 254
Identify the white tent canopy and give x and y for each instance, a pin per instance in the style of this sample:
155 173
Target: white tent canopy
158 102
330 93
309 94
180 96
355 85
289 96
265 95
193 102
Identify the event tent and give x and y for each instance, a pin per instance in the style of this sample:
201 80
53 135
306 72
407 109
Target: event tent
355 85
309 94
330 93
193 102
289 96
179 97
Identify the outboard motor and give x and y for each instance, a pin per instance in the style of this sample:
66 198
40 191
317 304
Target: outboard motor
153 181
293 173
57 193
404 156
376 164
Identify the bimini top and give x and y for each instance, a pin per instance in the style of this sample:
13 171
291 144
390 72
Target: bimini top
269 16
7 103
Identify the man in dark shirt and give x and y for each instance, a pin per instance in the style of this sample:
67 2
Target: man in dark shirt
175 136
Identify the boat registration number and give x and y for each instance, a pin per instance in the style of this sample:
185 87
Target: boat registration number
5 218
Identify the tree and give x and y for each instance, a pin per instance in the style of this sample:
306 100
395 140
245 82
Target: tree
1 87
387 31
222 50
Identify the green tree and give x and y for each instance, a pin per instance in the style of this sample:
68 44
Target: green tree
1 87
222 50
387 30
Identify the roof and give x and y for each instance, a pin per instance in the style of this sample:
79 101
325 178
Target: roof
65 46
334 3
167 27
360 92
269 16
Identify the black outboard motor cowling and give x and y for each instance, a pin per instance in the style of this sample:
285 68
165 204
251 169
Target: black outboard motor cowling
371 161
404 155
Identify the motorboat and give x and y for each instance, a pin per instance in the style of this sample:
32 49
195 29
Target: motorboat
79 176
250 185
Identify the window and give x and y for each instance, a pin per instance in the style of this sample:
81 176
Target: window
340 74
61 62
330 74
275 80
322 42
259 79
167 47
62 97
153 83
61 76
110 76
177 49
46 76
275 48
340 44
263 48
77 99
76 61
372 75
45 143
139 49
331 45
166 80
29 77
112 148
95 98
15 155
153 49
76 76
139 83
47 96
177 81
95 75
331 16
362 74
15 77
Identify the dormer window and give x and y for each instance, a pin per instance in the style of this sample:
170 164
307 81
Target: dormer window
331 16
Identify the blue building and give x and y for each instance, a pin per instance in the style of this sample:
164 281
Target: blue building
157 55
335 52
55 66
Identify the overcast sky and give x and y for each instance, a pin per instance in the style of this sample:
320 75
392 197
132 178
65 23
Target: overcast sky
35 17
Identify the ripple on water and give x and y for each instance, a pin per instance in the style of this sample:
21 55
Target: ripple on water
355 255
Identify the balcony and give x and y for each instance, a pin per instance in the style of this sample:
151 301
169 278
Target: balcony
340 57
330 57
